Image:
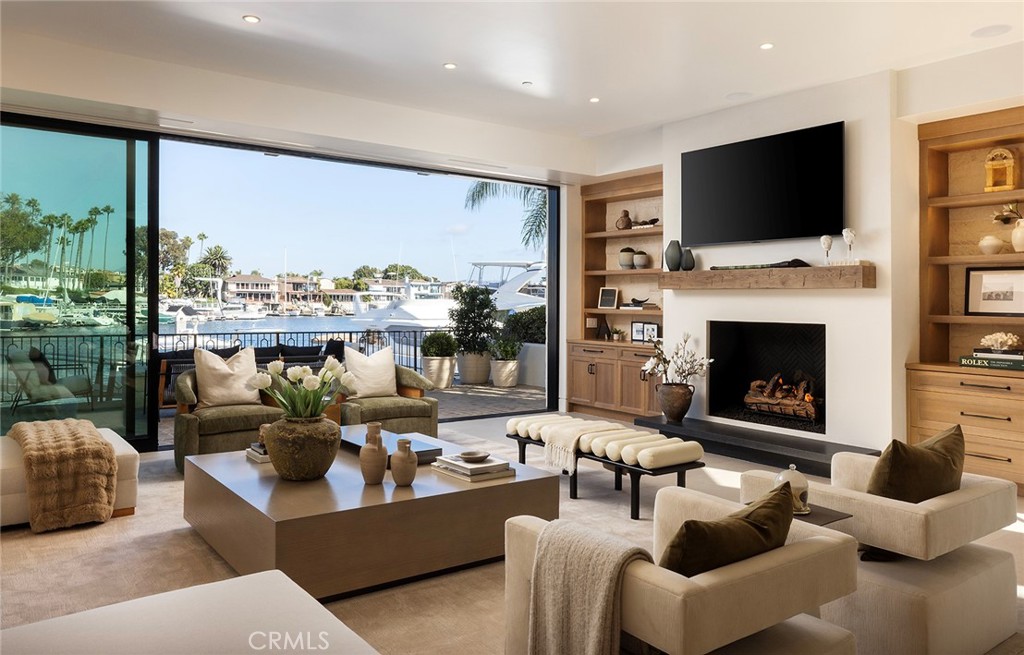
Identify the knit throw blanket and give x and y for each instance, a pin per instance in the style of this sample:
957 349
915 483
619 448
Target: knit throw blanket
575 605
562 439
70 473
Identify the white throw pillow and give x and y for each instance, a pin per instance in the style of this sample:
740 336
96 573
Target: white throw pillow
374 375
224 381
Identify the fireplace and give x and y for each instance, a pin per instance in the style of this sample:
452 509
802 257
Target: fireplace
768 373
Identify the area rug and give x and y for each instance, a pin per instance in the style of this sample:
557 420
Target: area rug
66 571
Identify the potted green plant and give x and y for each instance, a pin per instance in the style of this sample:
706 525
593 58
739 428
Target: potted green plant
504 351
618 334
472 323
438 355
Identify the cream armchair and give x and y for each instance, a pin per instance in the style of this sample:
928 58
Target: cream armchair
946 595
752 606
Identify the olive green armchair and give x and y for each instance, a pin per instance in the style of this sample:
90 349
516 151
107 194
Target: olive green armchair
215 429
410 410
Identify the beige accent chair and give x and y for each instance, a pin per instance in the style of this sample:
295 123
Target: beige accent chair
947 595
759 605
410 410
215 429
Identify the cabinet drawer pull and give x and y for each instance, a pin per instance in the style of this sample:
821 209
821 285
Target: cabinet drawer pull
588 350
995 458
645 356
985 386
590 368
643 376
994 418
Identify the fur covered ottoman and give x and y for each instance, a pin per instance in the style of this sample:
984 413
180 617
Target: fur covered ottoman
14 507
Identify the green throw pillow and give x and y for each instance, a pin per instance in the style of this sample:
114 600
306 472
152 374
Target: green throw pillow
701 546
922 471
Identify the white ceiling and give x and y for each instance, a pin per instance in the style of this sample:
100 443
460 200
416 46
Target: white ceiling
649 63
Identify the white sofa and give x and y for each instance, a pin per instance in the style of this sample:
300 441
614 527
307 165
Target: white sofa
14 500
253 613
759 605
947 596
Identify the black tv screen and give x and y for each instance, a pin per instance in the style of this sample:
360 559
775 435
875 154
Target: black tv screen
784 186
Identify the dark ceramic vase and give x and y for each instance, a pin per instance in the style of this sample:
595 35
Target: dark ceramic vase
674 400
688 261
673 256
302 448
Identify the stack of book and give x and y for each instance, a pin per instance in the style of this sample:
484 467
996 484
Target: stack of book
488 469
257 452
990 358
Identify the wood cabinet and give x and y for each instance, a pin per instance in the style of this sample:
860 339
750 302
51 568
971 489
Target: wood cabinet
988 405
955 213
605 378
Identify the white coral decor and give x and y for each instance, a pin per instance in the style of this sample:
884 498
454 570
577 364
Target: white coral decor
1000 341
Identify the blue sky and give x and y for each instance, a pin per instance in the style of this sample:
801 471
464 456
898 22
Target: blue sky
323 214
330 216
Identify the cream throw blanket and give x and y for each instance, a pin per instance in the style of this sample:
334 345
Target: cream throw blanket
562 439
70 473
575 605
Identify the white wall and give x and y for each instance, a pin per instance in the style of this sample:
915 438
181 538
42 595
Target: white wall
864 405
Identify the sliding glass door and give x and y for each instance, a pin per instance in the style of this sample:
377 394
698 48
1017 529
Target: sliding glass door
75 203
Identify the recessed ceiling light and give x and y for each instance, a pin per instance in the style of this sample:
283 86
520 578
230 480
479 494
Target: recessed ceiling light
595 100
449 66
527 83
738 95
767 46
990 31
251 18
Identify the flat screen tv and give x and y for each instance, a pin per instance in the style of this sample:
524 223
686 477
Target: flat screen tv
784 186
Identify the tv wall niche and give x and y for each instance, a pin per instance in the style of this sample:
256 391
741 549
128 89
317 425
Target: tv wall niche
783 186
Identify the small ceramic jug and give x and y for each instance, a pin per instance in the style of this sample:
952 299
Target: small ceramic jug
403 464
373 456
1017 236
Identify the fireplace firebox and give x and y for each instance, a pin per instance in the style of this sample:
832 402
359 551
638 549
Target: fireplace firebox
768 373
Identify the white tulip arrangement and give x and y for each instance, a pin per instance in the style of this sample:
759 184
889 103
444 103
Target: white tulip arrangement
304 394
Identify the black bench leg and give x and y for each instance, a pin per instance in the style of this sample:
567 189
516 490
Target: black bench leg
522 452
681 479
634 495
618 479
572 476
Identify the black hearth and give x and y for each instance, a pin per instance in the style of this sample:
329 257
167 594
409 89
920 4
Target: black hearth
785 359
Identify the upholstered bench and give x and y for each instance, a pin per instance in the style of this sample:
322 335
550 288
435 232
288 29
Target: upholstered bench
620 449
14 500
259 612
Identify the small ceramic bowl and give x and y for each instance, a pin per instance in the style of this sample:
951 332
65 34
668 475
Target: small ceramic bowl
473 456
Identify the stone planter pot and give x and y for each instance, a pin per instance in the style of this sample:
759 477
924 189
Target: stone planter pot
302 448
505 372
674 400
439 370
474 368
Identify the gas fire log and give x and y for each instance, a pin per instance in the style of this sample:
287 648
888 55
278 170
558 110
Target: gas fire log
777 397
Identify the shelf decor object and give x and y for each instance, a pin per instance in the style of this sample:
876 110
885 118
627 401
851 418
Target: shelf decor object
608 298
999 171
994 291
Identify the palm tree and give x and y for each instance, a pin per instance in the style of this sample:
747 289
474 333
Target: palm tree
50 221
80 228
62 244
187 243
218 259
108 210
202 239
535 206
94 220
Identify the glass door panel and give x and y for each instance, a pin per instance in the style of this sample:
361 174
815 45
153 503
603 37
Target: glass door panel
72 295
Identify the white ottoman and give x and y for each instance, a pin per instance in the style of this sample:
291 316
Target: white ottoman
14 500
262 612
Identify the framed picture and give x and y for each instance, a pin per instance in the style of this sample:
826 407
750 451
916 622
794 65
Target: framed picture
994 291
650 331
608 298
637 331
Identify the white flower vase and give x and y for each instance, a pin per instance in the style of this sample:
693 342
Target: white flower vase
1017 236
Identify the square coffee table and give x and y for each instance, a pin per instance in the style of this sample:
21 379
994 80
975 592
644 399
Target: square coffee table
337 535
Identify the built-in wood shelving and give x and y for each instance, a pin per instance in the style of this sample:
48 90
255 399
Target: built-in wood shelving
977 199
1014 258
976 320
635 233
623 312
625 271
815 277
